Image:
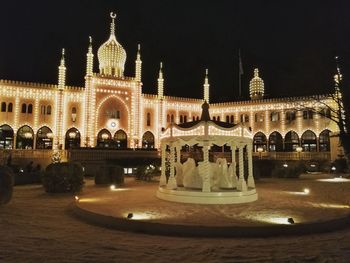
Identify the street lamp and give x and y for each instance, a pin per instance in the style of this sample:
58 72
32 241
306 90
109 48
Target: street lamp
260 150
299 150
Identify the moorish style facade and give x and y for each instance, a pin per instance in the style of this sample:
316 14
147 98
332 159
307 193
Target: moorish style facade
111 111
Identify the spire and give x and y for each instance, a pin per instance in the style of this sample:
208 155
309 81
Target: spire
338 77
206 87
256 86
113 16
160 82
89 59
62 73
138 64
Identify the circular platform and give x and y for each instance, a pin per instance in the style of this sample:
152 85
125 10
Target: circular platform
323 207
192 196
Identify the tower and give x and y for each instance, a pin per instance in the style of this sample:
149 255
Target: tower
89 101
160 82
89 59
58 139
62 73
138 64
256 86
206 87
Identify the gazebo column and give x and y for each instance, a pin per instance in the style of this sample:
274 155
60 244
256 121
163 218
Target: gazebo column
162 180
251 182
242 185
206 178
172 181
233 164
178 153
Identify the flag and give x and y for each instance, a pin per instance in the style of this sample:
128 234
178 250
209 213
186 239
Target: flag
240 63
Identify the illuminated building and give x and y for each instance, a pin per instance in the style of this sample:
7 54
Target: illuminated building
111 110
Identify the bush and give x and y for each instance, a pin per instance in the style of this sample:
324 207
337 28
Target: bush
288 170
341 165
63 177
146 172
110 174
6 184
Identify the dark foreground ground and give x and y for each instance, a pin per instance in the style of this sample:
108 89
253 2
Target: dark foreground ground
36 227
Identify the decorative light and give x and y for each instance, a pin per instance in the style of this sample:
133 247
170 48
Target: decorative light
72 135
112 187
306 191
28 135
260 149
49 135
76 198
299 149
104 136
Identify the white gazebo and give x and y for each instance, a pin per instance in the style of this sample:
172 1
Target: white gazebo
205 182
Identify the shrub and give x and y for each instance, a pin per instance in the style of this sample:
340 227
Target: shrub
341 165
63 177
6 184
110 174
289 170
146 172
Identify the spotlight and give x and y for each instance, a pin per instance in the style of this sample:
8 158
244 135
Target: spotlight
285 165
333 168
76 198
290 220
307 191
129 216
112 187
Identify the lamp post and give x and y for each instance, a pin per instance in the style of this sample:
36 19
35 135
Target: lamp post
299 150
260 150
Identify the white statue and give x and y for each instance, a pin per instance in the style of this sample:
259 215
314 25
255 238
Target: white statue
179 174
232 175
191 178
225 179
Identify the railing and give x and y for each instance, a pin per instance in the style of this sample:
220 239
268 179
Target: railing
293 155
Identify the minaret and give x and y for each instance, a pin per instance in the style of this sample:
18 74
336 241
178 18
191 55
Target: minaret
160 82
206 87
62 73
89 59
338 77
138 64
256 86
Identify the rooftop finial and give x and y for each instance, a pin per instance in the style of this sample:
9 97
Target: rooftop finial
138 47
113 16
206 72
62 58
161 65
256 72
90 40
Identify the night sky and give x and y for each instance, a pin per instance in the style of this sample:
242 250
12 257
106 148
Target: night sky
292 43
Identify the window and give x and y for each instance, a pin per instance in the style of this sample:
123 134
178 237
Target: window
168 118
275 116
181 119
232 119
227 118
74 114
325 113
214 118
218 118
24 108
42 110
259 117
148 121
9 107
172 118
290 115
3 106
185 118
307 114
118 114
30 108
244 118
48 110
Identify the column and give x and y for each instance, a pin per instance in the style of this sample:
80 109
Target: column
172 181
251 182
162 181
233 164
206 177
178 153
242 186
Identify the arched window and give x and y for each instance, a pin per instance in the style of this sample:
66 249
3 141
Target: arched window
227 118
244 118
324 141
259 141
30 108
214 118
3 106
48 110
74 114
181 119
309 141
25 138
9 107
121 139
232 119
308 114
24 108
291 141
44 138
218 118
118 114
104 139
148 121
259 117
6 137
172 118
72 138
185 118
290 116
275 142
168 118
197 118
148 140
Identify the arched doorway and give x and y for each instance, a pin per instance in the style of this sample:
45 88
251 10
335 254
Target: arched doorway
259 141
6 137
309 141
72 139
44 138
104 139
148 140
324 141
25 138
121 139
275 142
291 141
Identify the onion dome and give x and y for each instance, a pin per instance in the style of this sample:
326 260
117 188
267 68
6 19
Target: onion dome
111 55
256 86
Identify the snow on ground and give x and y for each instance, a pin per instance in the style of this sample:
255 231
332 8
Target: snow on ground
36 227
